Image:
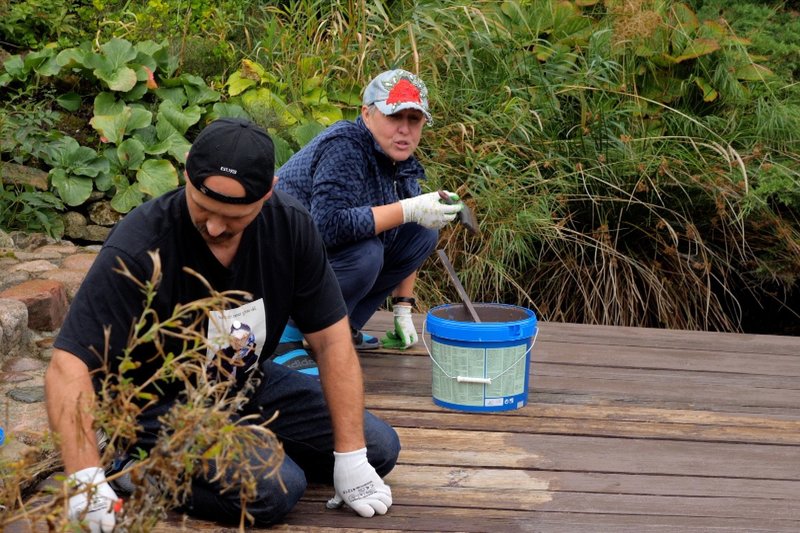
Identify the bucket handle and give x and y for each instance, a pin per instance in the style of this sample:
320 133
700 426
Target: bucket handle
467 379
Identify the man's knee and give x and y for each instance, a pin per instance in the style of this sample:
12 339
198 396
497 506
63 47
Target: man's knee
383 444
278 494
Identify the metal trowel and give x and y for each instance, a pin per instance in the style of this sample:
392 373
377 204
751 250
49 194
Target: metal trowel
466 217
457 284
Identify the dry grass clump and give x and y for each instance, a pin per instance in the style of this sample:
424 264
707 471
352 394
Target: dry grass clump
633 20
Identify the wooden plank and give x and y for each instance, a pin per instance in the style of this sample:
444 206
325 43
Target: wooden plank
459 487
598 454
625 413
685 359
558 332
665 338
681 358
312 517
591 421
390 368
598 385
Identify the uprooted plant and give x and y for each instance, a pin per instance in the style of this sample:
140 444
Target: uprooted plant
202 433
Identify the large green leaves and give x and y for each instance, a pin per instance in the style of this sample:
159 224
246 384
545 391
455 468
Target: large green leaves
127 196
140 113
157 176
113 119
74 166
112 65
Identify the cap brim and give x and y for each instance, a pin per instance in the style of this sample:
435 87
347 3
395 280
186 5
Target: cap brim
386 109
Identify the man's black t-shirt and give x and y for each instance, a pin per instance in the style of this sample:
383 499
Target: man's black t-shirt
281 261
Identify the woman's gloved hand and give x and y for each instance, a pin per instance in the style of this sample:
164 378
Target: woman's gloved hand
404 334
430 211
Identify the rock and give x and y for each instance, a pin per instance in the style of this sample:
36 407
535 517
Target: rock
82 261
11 278
7 258
5 240
30 241
96 196
61 248
103 214
39 265
74 225
14 377
96 233
73 269
71 278
22 364
14 335
21 175
46 301
34 394
37 254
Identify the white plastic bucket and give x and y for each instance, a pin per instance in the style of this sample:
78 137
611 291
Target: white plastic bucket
481 366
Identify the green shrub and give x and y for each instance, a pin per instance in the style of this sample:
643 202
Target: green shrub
24 209
631 162
34 23
139 111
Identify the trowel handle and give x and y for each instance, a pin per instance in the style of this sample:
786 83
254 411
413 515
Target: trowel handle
446 198
465 216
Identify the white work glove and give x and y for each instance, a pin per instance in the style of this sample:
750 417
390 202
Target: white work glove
94 505
358 485
404 334
429 210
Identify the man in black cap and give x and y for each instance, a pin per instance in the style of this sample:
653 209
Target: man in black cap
229 225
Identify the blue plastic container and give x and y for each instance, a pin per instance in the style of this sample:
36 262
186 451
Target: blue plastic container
481 366
2 437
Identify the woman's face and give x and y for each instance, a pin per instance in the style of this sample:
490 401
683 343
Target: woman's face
397 134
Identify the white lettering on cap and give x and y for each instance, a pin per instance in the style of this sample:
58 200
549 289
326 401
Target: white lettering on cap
229 170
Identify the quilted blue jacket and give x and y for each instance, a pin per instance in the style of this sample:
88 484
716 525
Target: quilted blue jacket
341 174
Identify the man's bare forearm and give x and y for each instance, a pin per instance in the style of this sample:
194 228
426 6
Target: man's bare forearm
342 384
70 399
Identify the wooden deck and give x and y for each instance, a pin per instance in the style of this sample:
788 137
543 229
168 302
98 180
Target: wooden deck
627 429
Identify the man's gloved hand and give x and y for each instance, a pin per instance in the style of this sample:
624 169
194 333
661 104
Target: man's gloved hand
95 503
429 210
404 334
358 485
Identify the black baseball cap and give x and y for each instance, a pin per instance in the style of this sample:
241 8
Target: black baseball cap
235 148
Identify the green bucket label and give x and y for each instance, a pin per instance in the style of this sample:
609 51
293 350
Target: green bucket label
505 366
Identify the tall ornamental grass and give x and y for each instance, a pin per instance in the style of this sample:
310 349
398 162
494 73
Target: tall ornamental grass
631 162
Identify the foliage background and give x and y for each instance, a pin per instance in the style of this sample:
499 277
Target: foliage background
632 162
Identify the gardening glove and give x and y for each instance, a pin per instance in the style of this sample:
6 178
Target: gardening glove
96 503
404 334
358 485
429 210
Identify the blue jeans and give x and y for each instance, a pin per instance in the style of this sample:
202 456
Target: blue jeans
304 428
369 270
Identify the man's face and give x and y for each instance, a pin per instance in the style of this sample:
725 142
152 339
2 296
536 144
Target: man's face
397 134
220 222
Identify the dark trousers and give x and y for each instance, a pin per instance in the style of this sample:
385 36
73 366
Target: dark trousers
304 428
369 270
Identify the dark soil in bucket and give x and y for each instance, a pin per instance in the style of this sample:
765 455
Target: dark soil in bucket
486 312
